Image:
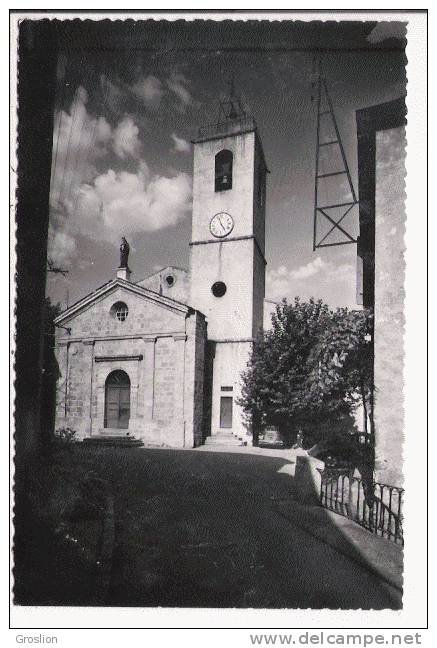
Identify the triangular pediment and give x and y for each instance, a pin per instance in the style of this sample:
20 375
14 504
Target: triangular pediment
123 286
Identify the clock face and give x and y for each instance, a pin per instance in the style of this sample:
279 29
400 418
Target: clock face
221 225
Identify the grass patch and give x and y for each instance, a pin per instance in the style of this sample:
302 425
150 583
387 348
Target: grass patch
59 513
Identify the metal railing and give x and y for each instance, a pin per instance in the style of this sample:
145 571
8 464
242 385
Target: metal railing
378 509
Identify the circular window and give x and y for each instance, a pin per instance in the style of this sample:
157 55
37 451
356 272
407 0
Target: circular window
218 289
120 311
170 280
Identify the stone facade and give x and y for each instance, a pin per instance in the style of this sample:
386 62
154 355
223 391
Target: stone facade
389 303
381 249
160 345
182 364
170 281
235 259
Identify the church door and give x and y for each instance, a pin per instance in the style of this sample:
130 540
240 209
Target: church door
117 400
226 412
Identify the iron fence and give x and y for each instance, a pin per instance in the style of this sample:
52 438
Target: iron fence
377 507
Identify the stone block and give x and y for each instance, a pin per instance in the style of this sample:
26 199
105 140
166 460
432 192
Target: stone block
308 480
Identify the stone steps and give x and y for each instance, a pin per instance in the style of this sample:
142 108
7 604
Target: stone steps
113 432
222 440
111 440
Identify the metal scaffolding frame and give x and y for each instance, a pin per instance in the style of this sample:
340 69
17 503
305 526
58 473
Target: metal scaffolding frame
320 210
230 108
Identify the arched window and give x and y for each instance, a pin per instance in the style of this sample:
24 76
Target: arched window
223 170
117 400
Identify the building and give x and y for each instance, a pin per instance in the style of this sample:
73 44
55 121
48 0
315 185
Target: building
381 265
161 358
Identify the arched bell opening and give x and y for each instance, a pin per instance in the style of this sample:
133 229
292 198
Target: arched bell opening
223 170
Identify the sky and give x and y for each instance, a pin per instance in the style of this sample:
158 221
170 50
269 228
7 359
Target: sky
128 102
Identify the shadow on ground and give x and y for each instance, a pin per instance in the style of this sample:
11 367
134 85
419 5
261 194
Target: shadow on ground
200 529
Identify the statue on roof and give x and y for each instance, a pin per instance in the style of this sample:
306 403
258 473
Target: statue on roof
124 253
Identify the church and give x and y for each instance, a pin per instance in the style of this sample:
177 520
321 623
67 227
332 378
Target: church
160 359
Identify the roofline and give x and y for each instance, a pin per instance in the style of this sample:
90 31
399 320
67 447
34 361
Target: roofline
133 287
160 270
82 298
250 126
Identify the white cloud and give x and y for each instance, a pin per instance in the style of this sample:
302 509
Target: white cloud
308 270
61 245
79 140
113 95
118 202
177 83
103 205
343 272
150 90
180 145
306 280
125 139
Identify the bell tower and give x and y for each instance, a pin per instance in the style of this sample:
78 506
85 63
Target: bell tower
227 263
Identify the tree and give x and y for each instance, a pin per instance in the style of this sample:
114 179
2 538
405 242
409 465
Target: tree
50 375
346 359
310 370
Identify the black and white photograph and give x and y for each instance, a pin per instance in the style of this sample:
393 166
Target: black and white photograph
209 256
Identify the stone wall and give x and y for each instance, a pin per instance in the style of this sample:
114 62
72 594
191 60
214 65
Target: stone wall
232 262
95 319
259 289
389 303
239 200
269 310
159 283
259 195
237 260
233 259
194 383
160 350
230 360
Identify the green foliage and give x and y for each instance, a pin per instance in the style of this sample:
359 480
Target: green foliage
346 357
65 436
51 311
311 369
50 375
